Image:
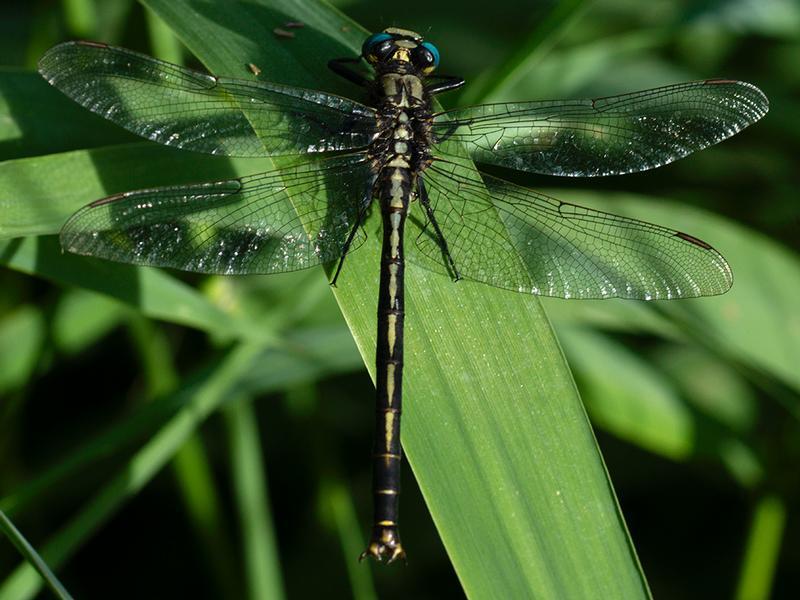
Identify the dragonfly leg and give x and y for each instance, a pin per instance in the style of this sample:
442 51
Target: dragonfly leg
448 83
452 127
341 68
350 237
425 202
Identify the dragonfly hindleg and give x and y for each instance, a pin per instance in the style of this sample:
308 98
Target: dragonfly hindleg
362 213
448 258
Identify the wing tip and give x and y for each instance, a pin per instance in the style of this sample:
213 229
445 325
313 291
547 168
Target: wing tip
720 263
760 101
51 55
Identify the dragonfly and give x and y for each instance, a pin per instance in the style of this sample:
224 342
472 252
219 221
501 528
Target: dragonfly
397 154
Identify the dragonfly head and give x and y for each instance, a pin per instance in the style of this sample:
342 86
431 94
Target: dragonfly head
400 46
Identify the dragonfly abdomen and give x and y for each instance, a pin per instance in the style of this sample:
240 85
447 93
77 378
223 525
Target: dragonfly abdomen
395 194
401 152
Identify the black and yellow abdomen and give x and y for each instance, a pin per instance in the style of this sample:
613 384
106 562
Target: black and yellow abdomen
400 154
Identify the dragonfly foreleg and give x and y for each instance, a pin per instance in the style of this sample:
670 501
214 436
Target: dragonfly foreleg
341 68
448 83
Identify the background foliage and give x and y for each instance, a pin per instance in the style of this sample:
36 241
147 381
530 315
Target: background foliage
102 383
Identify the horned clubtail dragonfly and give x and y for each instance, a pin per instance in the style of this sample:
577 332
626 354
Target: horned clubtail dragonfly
415 165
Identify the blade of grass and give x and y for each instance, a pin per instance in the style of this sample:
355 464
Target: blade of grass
33 558
163 42
763 549
337 504
262 564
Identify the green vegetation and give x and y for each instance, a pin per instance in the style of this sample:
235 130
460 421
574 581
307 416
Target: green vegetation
169 435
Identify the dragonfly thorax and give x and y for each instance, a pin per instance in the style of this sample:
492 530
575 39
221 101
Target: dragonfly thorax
404 137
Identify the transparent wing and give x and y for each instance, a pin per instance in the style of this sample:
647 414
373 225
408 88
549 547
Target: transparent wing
195 111
285 220
607 136
514 238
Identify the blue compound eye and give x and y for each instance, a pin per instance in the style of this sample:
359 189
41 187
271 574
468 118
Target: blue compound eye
373 40
433 50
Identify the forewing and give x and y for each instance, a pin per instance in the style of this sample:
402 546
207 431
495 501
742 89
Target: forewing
187 109
606 136
284 220
512 237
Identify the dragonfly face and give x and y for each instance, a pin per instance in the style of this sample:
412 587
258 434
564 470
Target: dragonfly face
399 154
400 48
